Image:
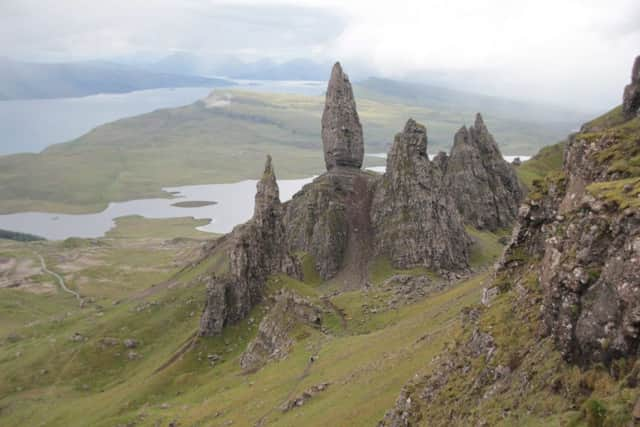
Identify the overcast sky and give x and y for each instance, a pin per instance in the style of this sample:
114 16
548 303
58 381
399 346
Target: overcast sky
576 53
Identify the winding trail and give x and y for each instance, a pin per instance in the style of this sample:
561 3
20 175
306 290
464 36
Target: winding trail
59 278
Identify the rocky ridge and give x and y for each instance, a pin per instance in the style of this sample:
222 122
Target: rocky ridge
568 284
414 218
484 186
346 217
251 252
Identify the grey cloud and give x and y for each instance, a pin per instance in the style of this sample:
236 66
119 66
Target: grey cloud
30 31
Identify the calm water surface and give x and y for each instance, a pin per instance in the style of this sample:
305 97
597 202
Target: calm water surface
234 206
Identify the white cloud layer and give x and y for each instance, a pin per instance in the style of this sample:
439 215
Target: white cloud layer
571 52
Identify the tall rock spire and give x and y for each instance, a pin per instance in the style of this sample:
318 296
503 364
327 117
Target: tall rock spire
341 129
250 253
267 199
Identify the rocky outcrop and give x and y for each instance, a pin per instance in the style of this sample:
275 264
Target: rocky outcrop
306 395
346 216
273 340
341 129
251 253
414 219
566 292
329 219
484 186
590 271
582 229
631 97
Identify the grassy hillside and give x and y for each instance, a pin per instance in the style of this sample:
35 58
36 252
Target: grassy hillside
548 159
224 139
63 365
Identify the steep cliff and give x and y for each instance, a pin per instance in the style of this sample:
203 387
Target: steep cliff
631 97
557 335
329 220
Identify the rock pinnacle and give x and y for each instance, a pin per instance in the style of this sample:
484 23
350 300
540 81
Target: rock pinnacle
341 129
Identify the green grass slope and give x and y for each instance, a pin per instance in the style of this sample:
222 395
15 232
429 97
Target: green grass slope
140 291
547 160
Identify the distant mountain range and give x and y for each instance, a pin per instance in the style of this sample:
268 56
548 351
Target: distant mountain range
24 80
451 100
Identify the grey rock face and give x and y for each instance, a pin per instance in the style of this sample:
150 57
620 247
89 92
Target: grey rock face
631 97
591 265
590 257
341 129
252 252
273 340
414 218
485 187
329 219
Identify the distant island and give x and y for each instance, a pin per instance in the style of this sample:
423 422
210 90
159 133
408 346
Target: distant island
193 204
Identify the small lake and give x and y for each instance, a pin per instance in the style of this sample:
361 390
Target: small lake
234 205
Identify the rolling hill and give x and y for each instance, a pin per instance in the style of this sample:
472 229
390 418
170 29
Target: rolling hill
23 80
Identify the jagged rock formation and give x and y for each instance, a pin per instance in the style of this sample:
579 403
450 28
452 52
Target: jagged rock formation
273 341
590 271
631 97
252 252
569 284
414 218
329 218
341 129
347 216
484 186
